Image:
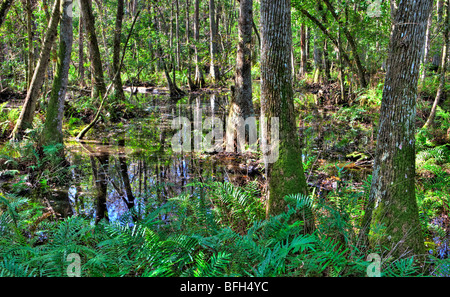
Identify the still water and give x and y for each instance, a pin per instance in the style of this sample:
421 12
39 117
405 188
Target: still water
135 160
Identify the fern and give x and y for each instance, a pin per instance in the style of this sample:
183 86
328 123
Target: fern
402 268
10 268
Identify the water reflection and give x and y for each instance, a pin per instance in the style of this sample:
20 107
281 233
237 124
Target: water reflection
135 165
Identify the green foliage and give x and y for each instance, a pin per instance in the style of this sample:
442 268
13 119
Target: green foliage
8 118
371 97
182 237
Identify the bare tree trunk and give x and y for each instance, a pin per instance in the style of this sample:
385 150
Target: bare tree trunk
118 87
30 60
103 38
392 202
130 201
101 185
104 95
353 46
241 105
81 50
443 69
99 88
426 48
52 132
177 34
214 67
199 80
191 83
25 120
303 64
284 169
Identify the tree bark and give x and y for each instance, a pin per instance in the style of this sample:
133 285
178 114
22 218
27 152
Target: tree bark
30 59
118 87
443 69
214 67
52 132
25 120
392 194
130 201
241 105
99 88
177 35
285 171
103 38
199 79
81 50
101 185
426 48
191 83
303 64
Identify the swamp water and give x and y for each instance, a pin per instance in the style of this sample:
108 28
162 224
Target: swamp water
135 159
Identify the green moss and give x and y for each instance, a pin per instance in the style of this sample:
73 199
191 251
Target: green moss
397 209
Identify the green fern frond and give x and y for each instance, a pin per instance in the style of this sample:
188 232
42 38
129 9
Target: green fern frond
9 268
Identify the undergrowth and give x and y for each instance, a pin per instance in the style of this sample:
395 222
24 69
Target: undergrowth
211 229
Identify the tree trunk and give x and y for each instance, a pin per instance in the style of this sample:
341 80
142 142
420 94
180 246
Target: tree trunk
326 62
303 64
99 88
52 132
392 195
284 169
101 185
25 120
426 48
199 79
325 31
130 201
103 37
352 43
30 60
81 50
118 87
443 69
177 35
241 105
4 7
214 67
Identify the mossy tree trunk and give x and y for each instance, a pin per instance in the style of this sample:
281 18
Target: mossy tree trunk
285 175
52 132
26 116
392 202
